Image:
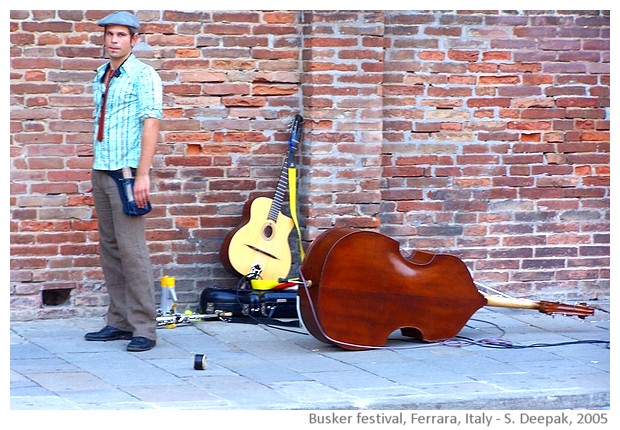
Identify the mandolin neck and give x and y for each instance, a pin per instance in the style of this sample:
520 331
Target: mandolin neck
581 310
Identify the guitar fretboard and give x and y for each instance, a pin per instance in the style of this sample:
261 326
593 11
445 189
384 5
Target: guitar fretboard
278 198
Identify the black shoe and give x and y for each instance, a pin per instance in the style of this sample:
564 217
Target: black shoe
139 344
108 333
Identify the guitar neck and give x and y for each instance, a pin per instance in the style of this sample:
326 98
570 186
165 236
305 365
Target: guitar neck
278 198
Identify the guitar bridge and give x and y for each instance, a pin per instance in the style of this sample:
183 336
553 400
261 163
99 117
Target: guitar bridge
255 272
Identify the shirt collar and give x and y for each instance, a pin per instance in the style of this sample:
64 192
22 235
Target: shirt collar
118 71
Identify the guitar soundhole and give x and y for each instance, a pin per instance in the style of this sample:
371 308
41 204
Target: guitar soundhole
268 232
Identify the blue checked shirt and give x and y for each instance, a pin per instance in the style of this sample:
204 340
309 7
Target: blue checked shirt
133 95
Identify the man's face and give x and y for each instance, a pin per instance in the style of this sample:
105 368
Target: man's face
118 42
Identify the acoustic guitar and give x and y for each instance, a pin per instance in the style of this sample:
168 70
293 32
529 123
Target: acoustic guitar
358 288
259 246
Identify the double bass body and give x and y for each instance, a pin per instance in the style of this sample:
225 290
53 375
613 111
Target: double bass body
363 289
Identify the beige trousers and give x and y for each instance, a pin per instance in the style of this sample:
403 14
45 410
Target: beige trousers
125 261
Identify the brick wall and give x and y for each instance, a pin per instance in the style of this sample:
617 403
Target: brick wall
482 134
496 145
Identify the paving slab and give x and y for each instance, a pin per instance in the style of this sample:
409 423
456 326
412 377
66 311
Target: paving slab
503 360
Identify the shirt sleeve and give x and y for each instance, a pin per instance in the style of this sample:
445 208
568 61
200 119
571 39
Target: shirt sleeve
97 93
150 94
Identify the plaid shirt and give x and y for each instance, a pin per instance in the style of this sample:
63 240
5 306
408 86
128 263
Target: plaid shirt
135 94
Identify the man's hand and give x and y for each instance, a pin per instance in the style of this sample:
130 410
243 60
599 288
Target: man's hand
141 190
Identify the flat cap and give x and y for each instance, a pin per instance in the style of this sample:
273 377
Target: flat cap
120 18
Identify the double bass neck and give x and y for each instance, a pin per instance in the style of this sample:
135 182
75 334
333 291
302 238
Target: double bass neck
580 310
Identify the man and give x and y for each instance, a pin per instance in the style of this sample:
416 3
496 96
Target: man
128 106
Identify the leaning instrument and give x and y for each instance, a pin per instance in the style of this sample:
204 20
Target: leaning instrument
259 247
359 289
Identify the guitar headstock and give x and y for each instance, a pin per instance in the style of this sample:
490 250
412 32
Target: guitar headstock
296 130
580 310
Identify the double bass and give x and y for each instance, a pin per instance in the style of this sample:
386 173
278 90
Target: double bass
358 289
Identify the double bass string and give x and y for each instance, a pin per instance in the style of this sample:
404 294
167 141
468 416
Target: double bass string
492 290
425 344
457 341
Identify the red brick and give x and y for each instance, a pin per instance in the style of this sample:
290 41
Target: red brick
432 55
463 55
595 136
47 26
490 101
443 31
280 17
225 29
499 80
244 101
